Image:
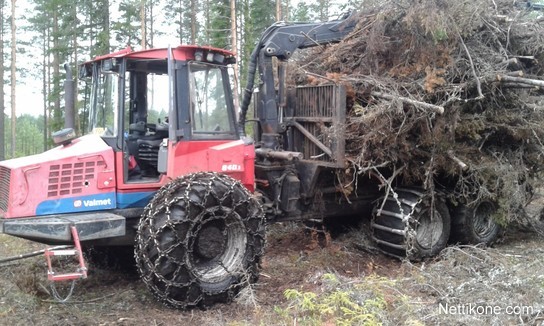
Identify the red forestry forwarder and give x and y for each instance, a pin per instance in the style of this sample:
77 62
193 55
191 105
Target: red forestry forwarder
166 167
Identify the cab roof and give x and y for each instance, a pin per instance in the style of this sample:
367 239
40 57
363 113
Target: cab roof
181 52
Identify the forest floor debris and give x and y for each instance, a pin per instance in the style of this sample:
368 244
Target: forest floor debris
339 281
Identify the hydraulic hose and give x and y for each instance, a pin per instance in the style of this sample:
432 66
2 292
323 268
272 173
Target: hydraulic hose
30 254
248 91
252 69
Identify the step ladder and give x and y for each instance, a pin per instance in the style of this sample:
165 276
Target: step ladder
81 271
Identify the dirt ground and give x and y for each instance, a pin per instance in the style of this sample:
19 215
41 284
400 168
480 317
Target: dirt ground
307 278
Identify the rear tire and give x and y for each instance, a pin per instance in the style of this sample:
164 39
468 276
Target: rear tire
200 240
475 225
410 226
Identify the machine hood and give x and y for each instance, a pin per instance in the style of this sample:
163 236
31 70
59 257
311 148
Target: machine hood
72 178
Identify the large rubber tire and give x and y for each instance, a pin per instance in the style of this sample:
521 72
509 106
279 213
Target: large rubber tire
412 225
475 224
200 240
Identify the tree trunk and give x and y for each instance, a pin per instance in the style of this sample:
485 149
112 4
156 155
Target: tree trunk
45 90
13 76
278 10
245 40
234 46
180 21
2 95
57 115
75 118
143 25
193 21
207 23
49 86
151 26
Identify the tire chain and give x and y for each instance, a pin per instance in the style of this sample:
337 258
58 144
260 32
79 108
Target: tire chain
181 288
424 198
408 219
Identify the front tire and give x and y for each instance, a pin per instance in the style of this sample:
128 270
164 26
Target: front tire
411 225
200 240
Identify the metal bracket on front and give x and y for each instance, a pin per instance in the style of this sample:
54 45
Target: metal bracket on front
80 273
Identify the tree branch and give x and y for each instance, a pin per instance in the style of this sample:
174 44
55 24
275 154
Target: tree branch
424 105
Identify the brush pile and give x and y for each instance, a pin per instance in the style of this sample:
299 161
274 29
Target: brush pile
444 93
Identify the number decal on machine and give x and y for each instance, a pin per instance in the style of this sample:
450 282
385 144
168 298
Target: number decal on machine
231 167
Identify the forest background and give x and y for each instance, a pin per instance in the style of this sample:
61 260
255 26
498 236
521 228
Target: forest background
39 36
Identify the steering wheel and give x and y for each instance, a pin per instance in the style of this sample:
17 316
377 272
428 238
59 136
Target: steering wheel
151 126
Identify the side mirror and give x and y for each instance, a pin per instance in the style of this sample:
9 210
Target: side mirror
84 71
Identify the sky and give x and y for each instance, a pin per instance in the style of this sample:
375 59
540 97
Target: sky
29 96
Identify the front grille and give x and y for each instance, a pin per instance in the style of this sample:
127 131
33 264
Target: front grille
71 178
5 175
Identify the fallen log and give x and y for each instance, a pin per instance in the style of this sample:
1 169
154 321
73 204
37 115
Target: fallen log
520 80
520 85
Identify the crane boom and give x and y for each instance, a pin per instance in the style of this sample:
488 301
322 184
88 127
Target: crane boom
281 40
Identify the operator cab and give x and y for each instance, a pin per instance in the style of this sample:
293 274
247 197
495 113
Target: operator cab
142 100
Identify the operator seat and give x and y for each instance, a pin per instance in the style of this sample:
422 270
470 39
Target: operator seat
145 147
136 131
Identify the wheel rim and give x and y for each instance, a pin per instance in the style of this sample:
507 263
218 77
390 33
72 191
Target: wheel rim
483 221
429 229
217 243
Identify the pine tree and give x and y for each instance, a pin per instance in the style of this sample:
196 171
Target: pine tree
127 29
28 130
184 14
220 23
321 7
60 29
258 15
13 76
302 13
94 32
41 23
97 13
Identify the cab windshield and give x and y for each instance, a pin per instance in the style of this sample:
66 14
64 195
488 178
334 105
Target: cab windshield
104 104
210 115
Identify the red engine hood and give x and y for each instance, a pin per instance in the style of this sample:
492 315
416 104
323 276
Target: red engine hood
44 183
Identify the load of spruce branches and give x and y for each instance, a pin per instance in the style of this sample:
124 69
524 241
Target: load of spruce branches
444 93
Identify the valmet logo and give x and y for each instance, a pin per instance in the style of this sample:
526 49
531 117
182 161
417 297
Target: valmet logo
92 202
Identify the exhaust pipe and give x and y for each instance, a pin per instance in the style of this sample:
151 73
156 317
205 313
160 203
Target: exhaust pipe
69 98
